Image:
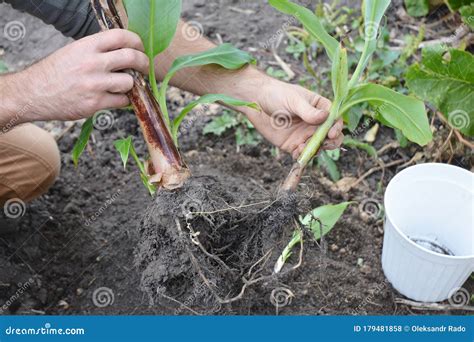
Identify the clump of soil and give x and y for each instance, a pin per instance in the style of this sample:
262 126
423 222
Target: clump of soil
207 242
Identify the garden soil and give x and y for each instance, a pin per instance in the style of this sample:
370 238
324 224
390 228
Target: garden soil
97 243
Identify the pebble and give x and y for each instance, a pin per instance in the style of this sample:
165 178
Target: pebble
343 251
366 269
334 247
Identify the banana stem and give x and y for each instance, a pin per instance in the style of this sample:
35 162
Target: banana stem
170 170
313 146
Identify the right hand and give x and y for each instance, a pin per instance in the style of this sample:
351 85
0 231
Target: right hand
84 76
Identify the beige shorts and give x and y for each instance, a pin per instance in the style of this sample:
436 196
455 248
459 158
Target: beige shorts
29 163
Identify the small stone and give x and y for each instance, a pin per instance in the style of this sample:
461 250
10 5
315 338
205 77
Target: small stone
63 304
334 247
366 269
343 251
79 291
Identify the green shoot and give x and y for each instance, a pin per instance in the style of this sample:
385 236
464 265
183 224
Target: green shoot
392 109
125 148
320 221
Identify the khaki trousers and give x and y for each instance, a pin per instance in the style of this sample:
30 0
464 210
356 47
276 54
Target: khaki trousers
29 163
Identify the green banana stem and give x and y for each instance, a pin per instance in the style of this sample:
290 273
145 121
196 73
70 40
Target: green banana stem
313 146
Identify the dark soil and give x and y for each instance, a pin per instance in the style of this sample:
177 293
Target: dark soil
220 238
98 228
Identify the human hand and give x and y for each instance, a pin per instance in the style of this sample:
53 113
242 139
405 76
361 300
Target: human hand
291 116
84 76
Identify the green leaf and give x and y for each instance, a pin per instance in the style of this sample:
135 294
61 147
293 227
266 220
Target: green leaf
394 110
246 136
373 13
225 55
334 154
3 67
220 124
287 251
328 164
446 81
322 219
82 141
206 99
352 117
123 146
310 22
402 140
467 13
155 21
417 8
354 143
454 5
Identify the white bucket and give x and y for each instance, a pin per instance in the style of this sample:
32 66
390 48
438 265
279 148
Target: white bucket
429 203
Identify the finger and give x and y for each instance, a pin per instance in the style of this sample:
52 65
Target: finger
127 59
114 101
298 151
118 39
333 143
117 82
321 102
309 113
336 129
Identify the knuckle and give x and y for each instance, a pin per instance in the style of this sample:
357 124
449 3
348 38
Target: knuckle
92 103
128 56
116 37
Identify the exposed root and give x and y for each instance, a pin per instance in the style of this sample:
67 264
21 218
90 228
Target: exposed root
189 241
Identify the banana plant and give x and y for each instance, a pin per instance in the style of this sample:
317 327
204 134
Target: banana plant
156 21
392 109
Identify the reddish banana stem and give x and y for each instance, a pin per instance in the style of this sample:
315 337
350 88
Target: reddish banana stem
164 154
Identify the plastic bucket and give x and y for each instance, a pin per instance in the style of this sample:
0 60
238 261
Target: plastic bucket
431 204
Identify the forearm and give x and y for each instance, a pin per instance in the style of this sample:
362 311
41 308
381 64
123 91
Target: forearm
16 101
243 84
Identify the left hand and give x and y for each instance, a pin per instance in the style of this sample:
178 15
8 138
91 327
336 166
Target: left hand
291 116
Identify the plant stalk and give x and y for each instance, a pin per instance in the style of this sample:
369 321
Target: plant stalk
312 147
169 168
